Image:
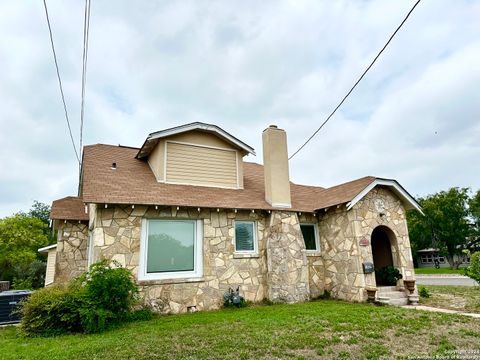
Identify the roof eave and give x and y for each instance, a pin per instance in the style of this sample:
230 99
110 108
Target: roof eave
194 126
407 199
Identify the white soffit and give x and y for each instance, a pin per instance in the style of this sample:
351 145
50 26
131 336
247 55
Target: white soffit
408 200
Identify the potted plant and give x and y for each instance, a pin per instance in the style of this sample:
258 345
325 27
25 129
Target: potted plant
388 275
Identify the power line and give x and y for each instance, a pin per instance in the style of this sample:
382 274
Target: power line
60 81
357 82
86 32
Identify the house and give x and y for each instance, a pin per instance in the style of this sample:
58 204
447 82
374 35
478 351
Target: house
190 218
426 259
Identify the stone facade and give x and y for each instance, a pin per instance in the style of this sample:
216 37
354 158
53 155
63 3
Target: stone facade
345 238
393 217
116 236
72 240
316 267
287 276
281 270
343 273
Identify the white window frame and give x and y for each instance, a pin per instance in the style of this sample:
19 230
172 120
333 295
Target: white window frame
197 271
255 238
317 238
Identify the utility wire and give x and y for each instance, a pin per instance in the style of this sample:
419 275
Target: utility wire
60 81
86 31
357 82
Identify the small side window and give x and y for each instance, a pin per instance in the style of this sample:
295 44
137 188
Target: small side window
310 237
245 237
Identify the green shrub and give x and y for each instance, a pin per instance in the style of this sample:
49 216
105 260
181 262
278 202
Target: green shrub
97 299
388 275
325 295
29 276
110 293
267 302
473 270
423 292
52 311
22 284
142 314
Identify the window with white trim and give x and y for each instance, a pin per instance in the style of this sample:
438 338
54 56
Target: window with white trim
171 249
245 237
310 237
430 258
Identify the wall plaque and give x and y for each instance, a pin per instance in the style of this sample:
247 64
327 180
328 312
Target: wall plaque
364 242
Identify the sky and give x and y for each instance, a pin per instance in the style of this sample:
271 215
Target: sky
243 66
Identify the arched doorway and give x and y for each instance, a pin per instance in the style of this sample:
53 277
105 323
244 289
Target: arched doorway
381 242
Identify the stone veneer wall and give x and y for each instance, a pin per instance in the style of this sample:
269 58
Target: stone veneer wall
343 273
287 275
367 218
71 254
345 238
341 234
116 235
316 268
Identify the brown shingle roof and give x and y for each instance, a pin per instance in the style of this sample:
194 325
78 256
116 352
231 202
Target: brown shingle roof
342 193
132 182
68 208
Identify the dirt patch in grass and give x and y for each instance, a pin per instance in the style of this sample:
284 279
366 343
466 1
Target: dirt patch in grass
462 298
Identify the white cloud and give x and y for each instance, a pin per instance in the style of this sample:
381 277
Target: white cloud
415 117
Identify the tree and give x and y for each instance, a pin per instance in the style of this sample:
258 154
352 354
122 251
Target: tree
473 270
445 224
474 207
40 211
20 238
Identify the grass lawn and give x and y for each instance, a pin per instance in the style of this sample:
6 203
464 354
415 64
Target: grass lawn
316 330
464 298
438 271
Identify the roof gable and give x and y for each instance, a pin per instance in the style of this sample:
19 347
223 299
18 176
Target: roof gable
154 137
408 200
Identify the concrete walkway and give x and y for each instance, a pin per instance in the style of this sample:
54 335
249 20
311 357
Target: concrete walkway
444 311
444 279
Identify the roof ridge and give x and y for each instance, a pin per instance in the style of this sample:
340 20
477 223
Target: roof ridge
111 145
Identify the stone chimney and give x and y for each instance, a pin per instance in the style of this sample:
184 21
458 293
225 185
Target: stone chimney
275 161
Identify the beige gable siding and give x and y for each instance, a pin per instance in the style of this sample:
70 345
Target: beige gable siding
200 165
51 260
156 160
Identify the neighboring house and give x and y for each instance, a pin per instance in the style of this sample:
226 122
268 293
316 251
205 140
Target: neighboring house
51 252
426 258
190 219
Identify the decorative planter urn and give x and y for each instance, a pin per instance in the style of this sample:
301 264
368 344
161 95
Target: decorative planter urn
371 291
409 285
